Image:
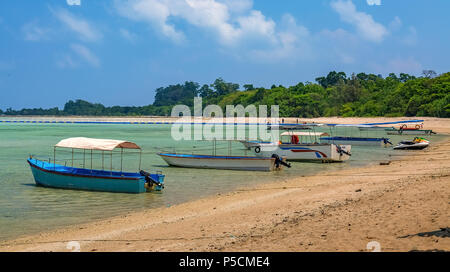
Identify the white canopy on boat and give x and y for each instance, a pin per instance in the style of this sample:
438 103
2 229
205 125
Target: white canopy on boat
304 133
95 144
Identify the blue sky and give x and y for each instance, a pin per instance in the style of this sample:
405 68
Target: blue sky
118 52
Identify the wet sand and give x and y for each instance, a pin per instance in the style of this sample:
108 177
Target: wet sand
396 206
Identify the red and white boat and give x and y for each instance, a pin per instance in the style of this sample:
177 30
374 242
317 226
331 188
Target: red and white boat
304 146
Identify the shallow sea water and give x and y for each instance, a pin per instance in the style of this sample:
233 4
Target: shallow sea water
27 209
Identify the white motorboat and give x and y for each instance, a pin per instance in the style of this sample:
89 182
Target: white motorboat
247 163
296 148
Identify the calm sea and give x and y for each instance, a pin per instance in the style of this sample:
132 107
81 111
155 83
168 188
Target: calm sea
27 209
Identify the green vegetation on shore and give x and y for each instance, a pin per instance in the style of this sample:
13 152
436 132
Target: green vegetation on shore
333 95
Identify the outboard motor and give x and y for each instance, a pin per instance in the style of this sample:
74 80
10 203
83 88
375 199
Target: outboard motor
149 180
279 161
386 141
342 151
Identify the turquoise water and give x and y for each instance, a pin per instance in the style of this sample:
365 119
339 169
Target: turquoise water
27 209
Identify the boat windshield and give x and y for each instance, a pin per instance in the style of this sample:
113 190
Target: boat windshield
295 137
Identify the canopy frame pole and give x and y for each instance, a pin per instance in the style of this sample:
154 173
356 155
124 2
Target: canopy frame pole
84 158
331 135
72 157
111 162
121 159
103 159
91 160
140 159
54 158
310 136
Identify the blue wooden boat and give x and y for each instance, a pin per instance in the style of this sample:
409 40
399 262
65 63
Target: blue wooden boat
54 175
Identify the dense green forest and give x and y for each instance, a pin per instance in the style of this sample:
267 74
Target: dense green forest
333 95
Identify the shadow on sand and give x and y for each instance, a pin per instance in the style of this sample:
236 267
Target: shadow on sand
443 233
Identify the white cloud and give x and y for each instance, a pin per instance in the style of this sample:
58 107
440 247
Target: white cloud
241 30
238 6
86 54
78 25
155 12
229 21
73 2
256 25
364 23
290 42
246 33
374 2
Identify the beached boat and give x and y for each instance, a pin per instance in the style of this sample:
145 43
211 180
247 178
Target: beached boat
359 141
246 163
418 143
250 144
298 148
409 131
352 138
304 126
54 175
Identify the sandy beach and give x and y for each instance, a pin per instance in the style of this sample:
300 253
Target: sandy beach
401 205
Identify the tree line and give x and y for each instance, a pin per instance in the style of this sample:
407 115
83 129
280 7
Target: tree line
336 94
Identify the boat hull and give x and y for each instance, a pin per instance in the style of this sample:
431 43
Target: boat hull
358 141
250 144
416 146
58 176
219 162
305 152
410 132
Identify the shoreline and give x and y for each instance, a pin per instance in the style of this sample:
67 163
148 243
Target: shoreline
170 120
300 214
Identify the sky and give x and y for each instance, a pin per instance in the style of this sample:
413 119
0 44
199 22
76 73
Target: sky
117 52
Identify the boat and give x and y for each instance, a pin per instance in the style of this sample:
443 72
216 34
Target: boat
356 140
249 144
359 141
418 143
53 175
298 148
247 163
409 131
304 126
